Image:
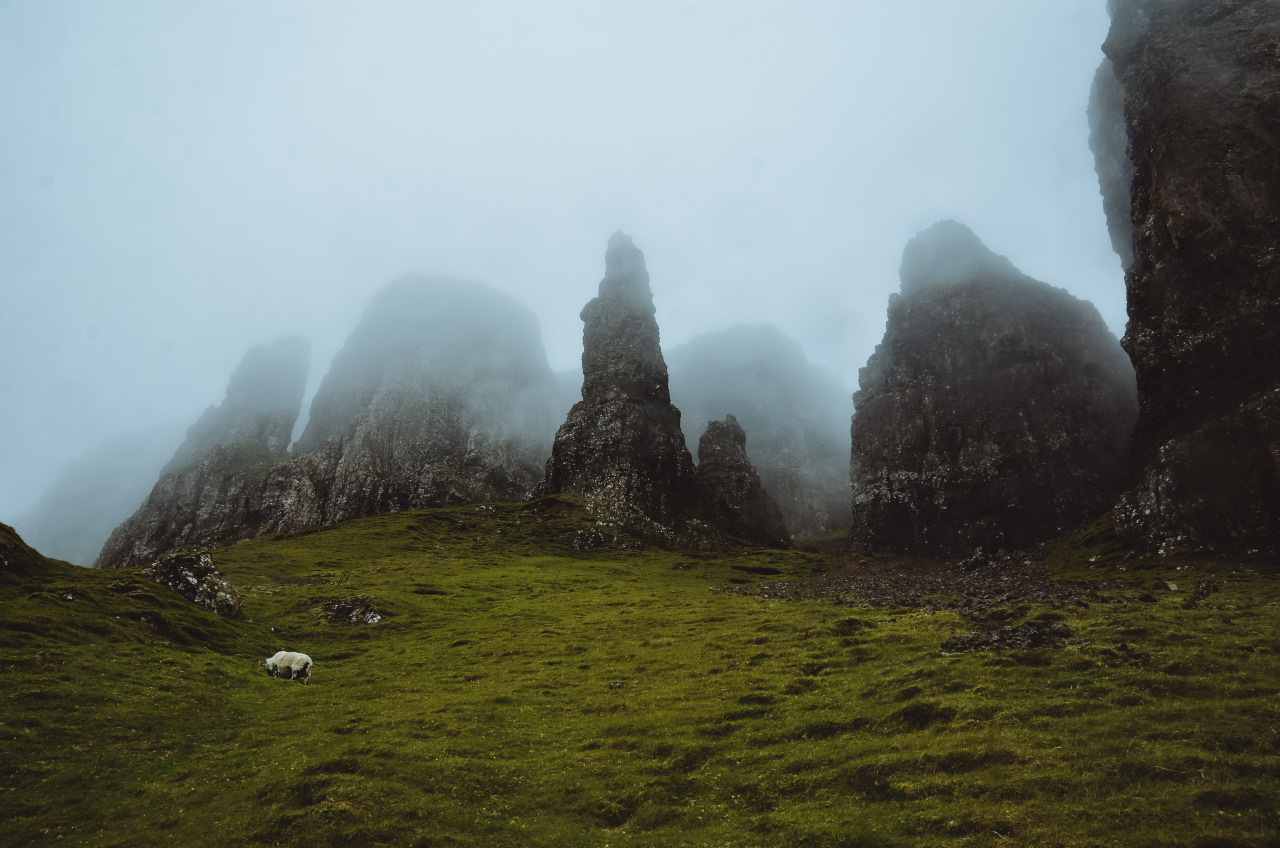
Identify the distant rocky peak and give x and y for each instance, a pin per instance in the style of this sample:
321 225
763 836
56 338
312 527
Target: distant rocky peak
730 492
266 379
263 400
946 254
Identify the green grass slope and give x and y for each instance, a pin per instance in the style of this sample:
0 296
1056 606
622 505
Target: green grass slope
519 692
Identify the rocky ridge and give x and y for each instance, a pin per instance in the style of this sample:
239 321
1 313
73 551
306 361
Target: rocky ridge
995 413
1201 88
210 493
441 395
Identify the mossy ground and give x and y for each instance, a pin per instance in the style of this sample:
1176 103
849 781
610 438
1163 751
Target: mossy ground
518 692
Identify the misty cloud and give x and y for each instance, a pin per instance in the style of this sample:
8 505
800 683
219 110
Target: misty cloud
180 182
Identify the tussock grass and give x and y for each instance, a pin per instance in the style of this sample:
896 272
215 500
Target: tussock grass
520 692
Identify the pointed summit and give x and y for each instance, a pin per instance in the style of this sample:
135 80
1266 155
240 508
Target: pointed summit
995 413
946 254
621 447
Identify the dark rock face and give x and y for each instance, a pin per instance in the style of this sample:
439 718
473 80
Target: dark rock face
733 499
209 494
797 415
441 395
1201 85
621 447
996 412
193 577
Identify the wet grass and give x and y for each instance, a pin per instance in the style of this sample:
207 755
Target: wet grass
520 692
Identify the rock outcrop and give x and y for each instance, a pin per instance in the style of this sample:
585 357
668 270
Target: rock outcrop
796 413
194 577
621 448
209 493
996 412
441 395
732 496
1201 83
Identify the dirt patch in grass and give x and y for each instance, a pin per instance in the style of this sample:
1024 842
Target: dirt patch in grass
935 584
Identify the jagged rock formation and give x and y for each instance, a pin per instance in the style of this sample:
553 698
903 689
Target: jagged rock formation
621 447
194 577
210 491
797 415
732 497
94 493
996 412
1201 85
441 395
1109 141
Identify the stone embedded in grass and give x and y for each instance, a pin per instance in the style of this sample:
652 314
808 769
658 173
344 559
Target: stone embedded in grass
1051 634
194 577
353 610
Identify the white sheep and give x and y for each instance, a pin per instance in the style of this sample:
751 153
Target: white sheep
289 665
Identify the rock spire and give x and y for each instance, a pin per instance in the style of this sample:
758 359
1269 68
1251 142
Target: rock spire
621 447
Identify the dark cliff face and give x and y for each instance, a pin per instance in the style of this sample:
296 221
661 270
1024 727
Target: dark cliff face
210 492
441 395
996 412
621 447
1201 84
732 497
797 415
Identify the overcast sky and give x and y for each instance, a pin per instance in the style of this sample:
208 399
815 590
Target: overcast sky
182 180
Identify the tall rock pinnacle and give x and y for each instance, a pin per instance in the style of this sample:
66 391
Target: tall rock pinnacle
995 413
621 447
1201 93
211 490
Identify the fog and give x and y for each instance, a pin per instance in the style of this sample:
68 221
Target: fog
181 181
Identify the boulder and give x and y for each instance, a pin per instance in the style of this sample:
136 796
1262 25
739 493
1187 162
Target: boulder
194 577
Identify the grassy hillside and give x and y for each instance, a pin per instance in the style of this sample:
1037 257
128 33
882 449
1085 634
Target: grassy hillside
519 692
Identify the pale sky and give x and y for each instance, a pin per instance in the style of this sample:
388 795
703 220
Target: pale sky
182 180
